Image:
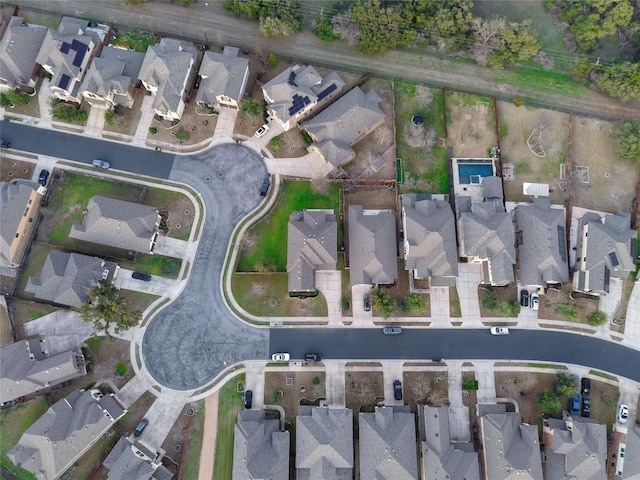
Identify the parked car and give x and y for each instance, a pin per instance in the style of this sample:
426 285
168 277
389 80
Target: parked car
367 303
101 164
586 407
145 277
280 357
248 399
524 298
397 389
4 143
43 177
392 330
499 331
574 405
141 426
623 413
266 183
262 130
312 357
535 301
585 389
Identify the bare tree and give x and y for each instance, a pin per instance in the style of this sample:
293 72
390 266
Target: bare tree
421 388
348 31
364 393
487 38
383 134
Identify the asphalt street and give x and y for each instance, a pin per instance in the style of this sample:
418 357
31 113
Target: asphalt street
458 344
83 149
196 337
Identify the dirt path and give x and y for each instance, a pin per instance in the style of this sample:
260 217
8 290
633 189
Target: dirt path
208 452
208 22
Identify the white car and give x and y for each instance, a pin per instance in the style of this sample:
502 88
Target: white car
623 413
280 357
499 331
535 301
262 130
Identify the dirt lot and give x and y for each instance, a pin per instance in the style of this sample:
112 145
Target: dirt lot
470 125
611 180
126 119
550 133
515 384
431 388
288 389
550 305
14 169
508 293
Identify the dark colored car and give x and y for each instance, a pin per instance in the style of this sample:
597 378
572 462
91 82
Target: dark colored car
43 177
4 144
141 426
367 303
312 357
574 405
145 277
248 398
586 407
585 389
266 183
524 298
397 389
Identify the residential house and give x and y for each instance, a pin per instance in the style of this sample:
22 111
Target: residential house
324 443
27 368
260 449
20 209
430 250
65 55
165 72
66 278
486 234
343 124
575 449
119 224
373 249
443 459
70 427
606 250
112 78
542 243
130 459
298 91
311 246
223 79
510 448
387 444
19 49
625 466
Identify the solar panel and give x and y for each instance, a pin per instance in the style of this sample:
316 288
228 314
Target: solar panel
331 88
64 48
614 259
77 61
64 81
292 79
562 245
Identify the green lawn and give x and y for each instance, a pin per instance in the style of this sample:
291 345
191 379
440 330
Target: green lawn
541 80
267 295
230 402
270 234
194 446
13 423
158 265
137 42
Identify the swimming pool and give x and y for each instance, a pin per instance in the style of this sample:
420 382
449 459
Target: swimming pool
470 172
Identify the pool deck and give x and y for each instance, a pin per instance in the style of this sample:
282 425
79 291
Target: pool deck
475 191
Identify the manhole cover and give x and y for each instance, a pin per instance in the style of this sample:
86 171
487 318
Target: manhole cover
207 178
220 174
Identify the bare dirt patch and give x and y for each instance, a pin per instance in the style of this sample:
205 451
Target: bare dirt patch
604 400
125 120
524 387
23 311
363 391
420 388
293 145
470 124
198 127
551 304
508 293
14 169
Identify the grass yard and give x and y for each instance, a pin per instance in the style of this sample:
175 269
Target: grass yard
267 295
535 77
25 311
264 245
138 300
13 423
499 301
136 41
230 402
194 444
158 265
454 303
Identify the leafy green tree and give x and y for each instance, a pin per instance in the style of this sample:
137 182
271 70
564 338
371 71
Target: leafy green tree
518 42
324 31
13 97
381 299
383 28
274 27
621 80
276 143
629 141
250 107
549 402
68 113
415 302
597 318
107 310
446 23
286 15
569 311
565 385
489 301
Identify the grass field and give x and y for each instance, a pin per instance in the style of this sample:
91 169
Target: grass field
230 402
158 265
194 446
137 42
542 80
268 237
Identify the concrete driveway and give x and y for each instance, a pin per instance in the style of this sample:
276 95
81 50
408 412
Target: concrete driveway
193 339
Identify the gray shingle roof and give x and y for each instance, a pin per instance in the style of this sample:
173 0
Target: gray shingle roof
18 51
66 277
114 71
343 123
26 369
167 65
261 450
117 223
130 460
14 198
324 444
429 237
222 74
387 444
372 246
575 449
543 252
311 245
610 250
510 448
631 469
60 436
443 459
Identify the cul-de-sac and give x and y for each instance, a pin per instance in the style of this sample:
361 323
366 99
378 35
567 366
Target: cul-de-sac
320 240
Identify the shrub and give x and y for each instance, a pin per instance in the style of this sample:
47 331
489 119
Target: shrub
324 31
316 380
382 300
13 97
489 301
415 302
182 135
518 102
597 318
307 138
276 143
565 384
250 107
121 369
568 311
469 384
153 130
109 116
68 113
549 403
273 60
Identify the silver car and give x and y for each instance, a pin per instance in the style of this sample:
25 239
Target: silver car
101 164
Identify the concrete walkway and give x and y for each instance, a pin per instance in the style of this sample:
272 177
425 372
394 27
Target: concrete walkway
467 284
140 137
459 426
329 283
95 122
440 311
335 380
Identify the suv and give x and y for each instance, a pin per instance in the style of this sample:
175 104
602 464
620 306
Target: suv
535 301
392 330
367 303
574 405
101 164
585 389
141 426
43 177
312 357
586 407
397 389
266 183
248 399
145 277
262 130
524 298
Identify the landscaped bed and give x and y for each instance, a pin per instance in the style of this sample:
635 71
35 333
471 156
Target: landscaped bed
562 304
499 301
